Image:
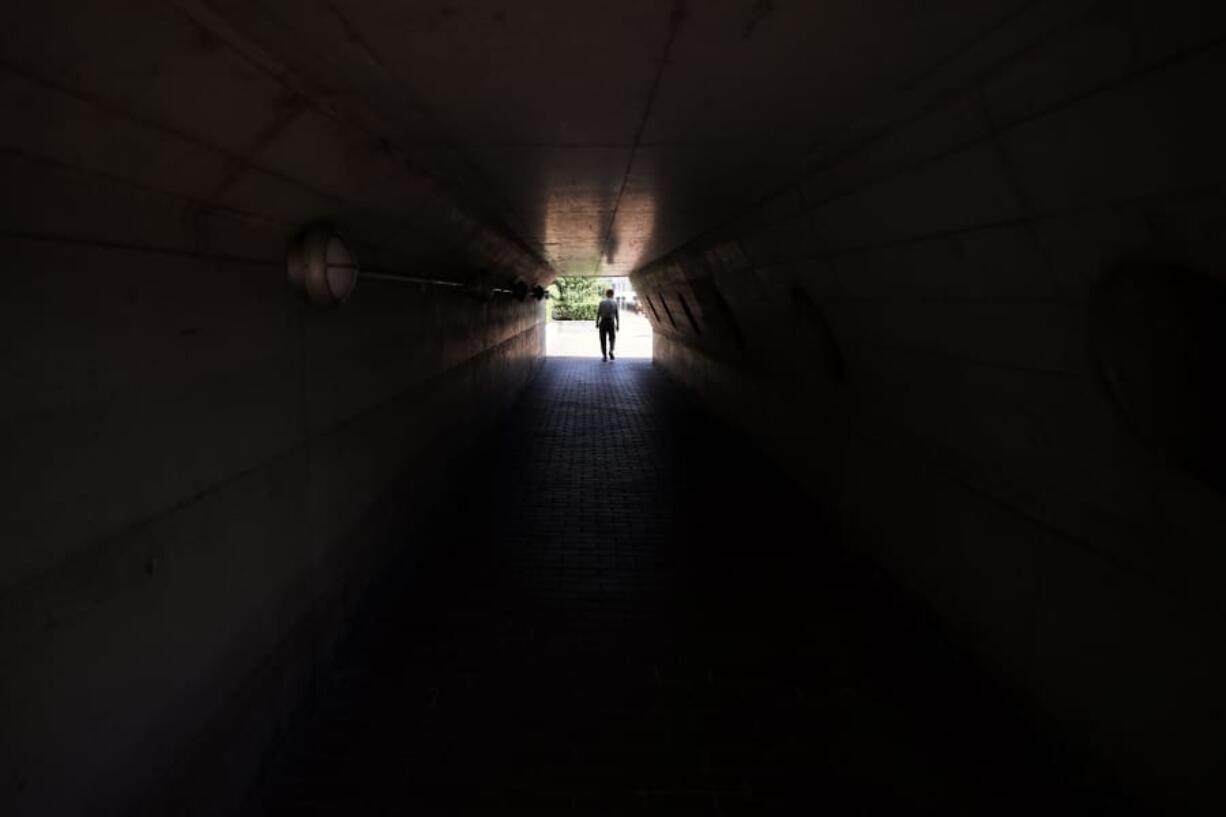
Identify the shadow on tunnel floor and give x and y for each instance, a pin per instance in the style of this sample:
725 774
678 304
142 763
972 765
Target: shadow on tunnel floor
624 609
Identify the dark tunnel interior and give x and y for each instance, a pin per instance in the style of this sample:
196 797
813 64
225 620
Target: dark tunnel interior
918 505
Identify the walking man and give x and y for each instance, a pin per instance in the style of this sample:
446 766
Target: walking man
609 322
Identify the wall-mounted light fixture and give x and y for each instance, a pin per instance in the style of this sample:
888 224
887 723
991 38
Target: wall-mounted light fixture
320 264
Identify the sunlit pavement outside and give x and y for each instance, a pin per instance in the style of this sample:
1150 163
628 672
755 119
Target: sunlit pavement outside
581 339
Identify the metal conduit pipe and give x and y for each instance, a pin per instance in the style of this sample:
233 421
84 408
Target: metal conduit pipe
322 265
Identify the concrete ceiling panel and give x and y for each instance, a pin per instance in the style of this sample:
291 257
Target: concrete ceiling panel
598 135
551 72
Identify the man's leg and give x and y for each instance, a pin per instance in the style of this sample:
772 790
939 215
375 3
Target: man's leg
612 340
604 331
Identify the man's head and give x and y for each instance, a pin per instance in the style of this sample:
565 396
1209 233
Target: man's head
608 293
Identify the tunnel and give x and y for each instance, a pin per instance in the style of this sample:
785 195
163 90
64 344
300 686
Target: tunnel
918 505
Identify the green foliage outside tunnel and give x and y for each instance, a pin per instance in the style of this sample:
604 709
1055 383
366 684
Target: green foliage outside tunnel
575 299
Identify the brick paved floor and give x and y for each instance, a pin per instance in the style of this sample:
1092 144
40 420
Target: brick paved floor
632 613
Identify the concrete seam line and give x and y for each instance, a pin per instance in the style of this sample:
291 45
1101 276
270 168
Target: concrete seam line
675 18
88 549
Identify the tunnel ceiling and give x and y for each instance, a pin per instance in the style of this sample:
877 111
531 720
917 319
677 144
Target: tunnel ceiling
606 134
600 135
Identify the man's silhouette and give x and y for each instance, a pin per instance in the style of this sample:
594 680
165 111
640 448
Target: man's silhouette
609 322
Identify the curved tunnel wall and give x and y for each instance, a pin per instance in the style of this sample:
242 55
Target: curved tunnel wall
202 471
906 326
231 468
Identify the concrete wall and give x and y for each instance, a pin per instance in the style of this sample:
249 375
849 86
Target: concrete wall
909 327
201 471
201 474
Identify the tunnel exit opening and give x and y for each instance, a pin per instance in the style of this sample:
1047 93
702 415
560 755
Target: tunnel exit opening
571 319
